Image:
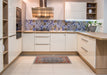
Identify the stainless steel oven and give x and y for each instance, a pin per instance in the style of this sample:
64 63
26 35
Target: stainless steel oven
18 23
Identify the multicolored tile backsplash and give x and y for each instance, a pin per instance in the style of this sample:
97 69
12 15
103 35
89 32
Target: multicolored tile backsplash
48 25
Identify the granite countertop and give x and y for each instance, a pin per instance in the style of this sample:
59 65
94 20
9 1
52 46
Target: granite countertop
96 35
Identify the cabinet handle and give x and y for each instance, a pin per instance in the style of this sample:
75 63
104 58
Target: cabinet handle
42 44
12 35
84 40
42 36
84 49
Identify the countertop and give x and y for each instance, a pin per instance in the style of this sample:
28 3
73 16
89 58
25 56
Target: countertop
96 35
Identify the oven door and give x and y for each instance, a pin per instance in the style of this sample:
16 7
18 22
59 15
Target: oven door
18 35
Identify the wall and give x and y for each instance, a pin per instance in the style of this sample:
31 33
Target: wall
100 13
19 3
29 5
58 6
100 9
48 25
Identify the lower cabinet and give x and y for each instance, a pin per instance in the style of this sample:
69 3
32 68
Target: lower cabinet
87 49
71 42
92 52
49 42
42 42
12 48
19 45
28 42
1 56
42 47
58 41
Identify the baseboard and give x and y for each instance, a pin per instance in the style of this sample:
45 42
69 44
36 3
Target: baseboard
91 67
49 53
10 63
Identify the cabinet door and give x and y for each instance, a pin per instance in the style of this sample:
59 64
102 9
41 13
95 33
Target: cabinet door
92 52
19 45
12 49
42 41
58 42
12 17
71 42
75 10
1 56
87 48
28 42
1 19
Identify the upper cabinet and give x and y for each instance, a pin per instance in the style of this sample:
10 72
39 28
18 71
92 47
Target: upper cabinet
1 18
12 17
75 10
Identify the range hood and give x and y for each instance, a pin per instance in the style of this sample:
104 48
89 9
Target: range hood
42 12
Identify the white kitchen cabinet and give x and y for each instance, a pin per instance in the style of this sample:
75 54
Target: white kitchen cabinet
42 42
71 42
12 48
1 61
58 41
1 6
87 49
19 45
75 10
28 42
42 47
92 52
1 56
12 17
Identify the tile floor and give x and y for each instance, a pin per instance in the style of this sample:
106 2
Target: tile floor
24 66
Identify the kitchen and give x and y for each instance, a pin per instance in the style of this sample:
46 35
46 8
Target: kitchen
53 37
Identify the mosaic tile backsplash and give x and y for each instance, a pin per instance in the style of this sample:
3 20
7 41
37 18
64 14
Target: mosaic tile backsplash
48 25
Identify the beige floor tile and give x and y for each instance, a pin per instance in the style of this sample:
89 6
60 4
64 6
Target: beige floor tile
41 73
24 66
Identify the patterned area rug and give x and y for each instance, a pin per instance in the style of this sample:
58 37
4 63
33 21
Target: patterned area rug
52 60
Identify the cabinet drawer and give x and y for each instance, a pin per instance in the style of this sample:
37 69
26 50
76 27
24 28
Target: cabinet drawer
42 40
42 47
87 48
85 42
84 51
42 34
